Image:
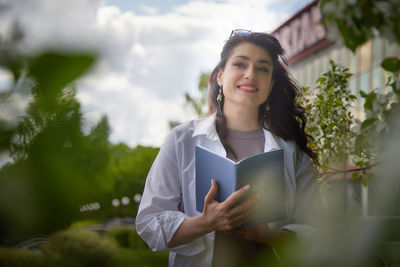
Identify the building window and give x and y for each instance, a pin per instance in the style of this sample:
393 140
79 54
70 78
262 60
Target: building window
385 78
295 75
365 81
353 85
335 55
365 57
354 62
389 49
309 80
377 54
353 197
300 75
377 78
317 67
325 63
345 56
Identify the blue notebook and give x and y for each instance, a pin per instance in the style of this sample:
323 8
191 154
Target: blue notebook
264 173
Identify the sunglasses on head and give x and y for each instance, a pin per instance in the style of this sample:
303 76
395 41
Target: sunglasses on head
268 38
240 32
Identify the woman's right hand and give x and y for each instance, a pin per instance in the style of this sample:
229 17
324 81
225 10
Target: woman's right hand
216 216
226 216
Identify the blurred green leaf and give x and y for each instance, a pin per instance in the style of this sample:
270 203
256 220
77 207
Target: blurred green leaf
56 166
53 71
352 38
391 64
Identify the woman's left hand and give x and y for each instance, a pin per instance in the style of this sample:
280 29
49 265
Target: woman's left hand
259 233
264 234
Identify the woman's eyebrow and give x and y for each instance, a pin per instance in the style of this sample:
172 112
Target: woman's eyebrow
260 61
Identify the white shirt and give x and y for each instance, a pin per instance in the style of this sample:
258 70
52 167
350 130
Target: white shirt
169 194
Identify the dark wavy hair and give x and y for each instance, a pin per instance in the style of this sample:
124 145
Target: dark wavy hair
285 117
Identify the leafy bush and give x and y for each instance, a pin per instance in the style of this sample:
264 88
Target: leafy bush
126 237
20 257
84 222
79 247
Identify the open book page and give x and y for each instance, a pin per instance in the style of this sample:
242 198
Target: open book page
264 173
212 166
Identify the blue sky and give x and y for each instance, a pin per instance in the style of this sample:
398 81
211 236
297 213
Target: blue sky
165 6
151 52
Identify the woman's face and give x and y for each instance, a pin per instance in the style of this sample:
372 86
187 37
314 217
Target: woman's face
247 77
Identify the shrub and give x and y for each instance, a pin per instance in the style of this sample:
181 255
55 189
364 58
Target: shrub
20 258
79 247
126 237
84 222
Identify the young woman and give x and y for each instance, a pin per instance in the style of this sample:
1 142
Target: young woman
253 109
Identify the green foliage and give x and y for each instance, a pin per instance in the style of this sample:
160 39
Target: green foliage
173 124
121 246
53 71
6 132
79 247
124 174
128 177
85 223
126 237
199 103
330 117
13 257
56 166
141 258
357 21
340 137
391 64
380 109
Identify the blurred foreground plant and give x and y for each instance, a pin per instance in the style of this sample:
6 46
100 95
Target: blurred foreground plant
55 166
365 145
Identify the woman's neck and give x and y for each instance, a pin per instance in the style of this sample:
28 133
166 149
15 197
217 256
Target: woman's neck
241 118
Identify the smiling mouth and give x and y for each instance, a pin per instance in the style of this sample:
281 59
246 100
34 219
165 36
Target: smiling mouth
247 89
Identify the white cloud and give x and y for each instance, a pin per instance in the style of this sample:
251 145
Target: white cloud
150 10
6 79
14 107
137 114
147 61
48 23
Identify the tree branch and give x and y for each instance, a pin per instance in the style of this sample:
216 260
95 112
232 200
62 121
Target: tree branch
329 174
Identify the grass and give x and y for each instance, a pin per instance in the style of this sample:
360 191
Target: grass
140 258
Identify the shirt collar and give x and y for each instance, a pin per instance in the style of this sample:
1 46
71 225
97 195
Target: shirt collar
270 141
207 127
